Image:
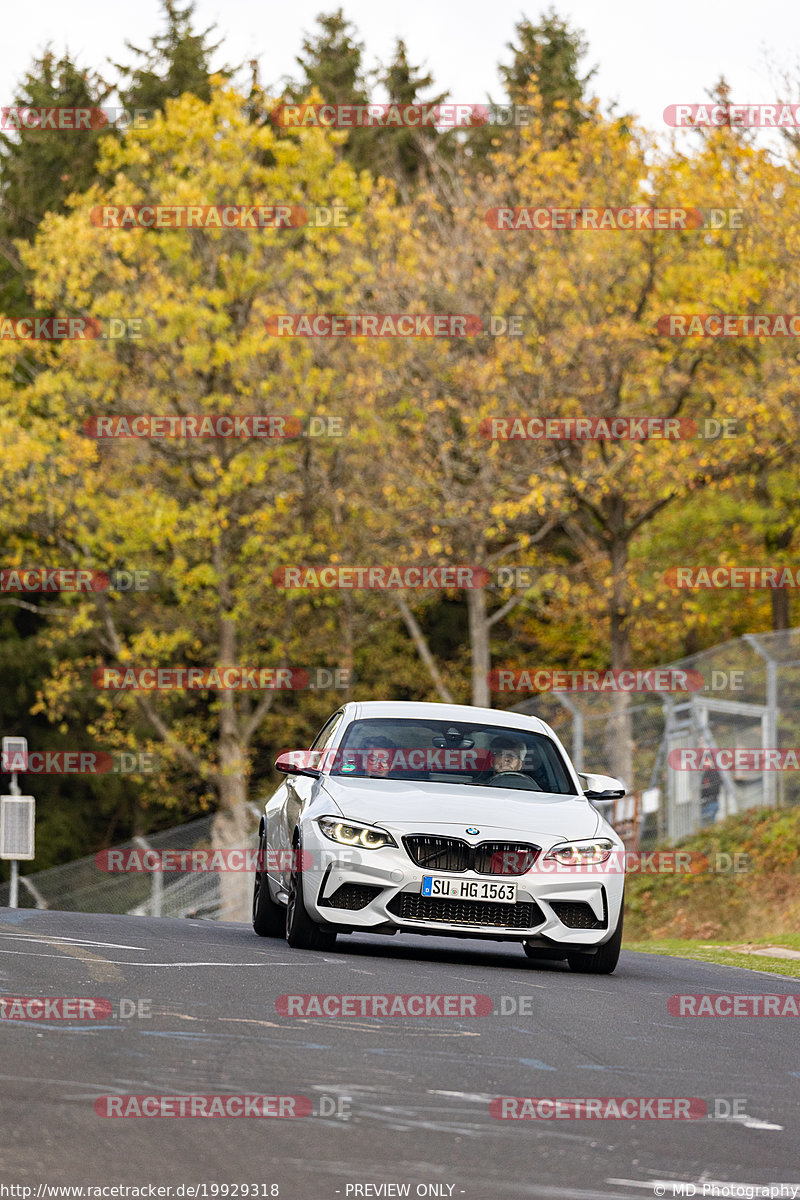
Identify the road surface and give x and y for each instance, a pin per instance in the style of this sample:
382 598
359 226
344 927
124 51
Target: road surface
400 1105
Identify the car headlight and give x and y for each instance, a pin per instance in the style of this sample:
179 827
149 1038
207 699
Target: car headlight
581 854
353 833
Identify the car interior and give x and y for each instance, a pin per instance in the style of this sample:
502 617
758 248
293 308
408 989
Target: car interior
486 755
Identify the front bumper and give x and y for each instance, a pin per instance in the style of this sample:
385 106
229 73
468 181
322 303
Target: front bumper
380 891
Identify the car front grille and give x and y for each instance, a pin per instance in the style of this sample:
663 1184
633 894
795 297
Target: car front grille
435 853
504 858
352 896
576 914
438 853
411 906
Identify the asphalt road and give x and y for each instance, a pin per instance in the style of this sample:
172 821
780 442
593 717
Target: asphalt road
405 1100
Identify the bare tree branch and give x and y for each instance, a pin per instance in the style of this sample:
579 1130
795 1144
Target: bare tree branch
504 610
187 756
43 611
423 649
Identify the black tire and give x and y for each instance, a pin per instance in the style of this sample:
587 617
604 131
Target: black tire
301 932
269 918
604 960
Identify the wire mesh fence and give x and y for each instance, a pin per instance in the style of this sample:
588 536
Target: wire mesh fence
87 885
742 697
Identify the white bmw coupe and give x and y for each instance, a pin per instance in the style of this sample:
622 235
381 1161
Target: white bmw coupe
441 819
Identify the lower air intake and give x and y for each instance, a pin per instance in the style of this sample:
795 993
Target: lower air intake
352 896
411 906
576 914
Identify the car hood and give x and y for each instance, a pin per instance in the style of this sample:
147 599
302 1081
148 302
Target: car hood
419 807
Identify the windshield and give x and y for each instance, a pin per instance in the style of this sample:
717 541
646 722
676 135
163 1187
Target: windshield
436 751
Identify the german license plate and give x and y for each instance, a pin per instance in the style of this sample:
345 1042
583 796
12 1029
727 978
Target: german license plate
469 889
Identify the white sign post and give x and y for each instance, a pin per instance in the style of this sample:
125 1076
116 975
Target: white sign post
17 814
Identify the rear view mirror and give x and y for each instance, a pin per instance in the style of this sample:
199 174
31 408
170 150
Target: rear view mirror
299 762
602 787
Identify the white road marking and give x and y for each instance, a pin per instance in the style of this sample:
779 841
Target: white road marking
264 963
48 940
124 962
101 1087
752 1122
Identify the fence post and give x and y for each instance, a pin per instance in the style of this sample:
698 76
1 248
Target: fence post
156 882
770 728
577 728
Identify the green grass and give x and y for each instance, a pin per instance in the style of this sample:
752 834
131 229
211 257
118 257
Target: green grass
705 952
758 902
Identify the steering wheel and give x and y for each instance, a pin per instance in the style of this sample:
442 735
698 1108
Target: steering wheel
526 784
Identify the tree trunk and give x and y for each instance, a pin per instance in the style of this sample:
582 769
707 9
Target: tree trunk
231 829
778 541
775 541
423 649
619 732
781 617
479 647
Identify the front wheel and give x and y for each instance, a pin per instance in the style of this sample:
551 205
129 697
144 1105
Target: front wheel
269 918
301 932
604 960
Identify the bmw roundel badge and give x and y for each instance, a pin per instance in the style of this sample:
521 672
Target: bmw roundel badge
472 829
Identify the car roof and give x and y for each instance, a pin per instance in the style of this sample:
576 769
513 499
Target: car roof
447 712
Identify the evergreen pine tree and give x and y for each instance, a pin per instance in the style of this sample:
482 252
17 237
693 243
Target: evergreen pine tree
332 63
177 61
39 168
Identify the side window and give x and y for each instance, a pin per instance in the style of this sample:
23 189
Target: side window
326 734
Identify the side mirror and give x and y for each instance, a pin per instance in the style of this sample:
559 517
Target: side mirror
299 762
602 787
